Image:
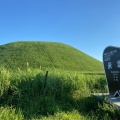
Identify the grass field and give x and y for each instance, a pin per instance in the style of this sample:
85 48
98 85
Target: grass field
63 96
44 55
27 93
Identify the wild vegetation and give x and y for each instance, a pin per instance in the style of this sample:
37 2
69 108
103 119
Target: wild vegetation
50 55
27 92
63 96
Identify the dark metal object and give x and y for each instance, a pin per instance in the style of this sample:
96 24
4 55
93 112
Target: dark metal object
111 61
46 76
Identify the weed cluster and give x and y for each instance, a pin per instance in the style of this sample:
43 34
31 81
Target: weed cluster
23 95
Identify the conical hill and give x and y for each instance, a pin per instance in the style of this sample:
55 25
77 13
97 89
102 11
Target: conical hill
46 55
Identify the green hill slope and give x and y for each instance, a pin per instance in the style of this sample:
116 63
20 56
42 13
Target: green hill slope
46 55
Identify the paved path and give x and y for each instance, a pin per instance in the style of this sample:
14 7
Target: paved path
110 98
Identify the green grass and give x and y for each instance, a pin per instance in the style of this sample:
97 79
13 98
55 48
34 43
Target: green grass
66 96
46 55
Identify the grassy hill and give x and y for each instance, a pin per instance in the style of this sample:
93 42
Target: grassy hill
62 95
46 55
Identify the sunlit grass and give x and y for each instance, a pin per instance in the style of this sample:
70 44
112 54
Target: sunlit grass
43 55
66 95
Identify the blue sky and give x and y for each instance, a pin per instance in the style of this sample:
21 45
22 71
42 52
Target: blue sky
88 25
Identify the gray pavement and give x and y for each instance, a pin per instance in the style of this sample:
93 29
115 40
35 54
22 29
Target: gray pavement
113 100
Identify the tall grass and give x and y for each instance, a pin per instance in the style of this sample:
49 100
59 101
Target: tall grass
67 95
9 113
